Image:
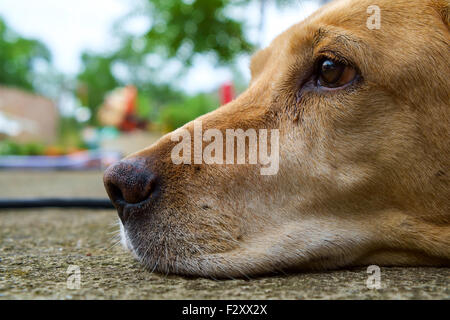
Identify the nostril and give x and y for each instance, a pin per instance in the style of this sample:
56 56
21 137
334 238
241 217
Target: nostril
136 190
114 192
147 190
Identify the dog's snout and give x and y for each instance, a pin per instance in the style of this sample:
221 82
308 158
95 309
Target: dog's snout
129 182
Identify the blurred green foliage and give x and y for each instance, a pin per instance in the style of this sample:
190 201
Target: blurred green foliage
95 81
69 140
176 115
8 147
184 28
69 134
144 107
178 30
17 56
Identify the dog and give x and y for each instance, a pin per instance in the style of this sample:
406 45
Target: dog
363 118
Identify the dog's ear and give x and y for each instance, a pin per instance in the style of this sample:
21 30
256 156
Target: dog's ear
443 8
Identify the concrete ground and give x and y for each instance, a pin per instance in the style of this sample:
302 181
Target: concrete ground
38 246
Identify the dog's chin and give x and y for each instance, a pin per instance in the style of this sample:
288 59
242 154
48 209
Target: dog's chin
195 264
259 256
124 239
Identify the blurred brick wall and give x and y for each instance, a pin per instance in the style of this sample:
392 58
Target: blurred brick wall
38 114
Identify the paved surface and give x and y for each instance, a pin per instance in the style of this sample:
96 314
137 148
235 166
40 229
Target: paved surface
38 246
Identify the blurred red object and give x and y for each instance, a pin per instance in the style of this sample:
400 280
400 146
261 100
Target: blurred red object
131 95
129 121
226 93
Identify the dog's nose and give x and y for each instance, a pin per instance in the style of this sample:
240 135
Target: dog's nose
129 181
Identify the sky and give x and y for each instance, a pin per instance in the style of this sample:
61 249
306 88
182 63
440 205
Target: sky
68 27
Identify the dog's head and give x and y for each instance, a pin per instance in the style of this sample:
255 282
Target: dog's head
355 104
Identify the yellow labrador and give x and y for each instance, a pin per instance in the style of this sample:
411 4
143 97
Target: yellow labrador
361 117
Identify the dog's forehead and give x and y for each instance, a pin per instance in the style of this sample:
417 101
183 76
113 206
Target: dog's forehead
345 23
353 15
311 30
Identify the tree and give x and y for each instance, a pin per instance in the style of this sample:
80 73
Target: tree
95 80
182 29
17 58
178 30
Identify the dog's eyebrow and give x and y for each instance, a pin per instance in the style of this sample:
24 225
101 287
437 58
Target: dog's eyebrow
337 37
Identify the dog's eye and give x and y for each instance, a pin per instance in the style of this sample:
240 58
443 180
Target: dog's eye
334 74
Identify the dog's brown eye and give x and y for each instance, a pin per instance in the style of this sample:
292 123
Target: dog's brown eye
333 74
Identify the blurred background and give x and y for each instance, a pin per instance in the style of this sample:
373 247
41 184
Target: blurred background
86 82
83 82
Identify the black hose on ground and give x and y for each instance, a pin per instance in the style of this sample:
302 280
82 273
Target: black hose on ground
85 203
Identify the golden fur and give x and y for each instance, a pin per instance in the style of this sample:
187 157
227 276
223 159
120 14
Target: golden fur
364 171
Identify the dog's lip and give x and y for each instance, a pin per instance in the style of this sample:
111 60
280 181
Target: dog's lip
125 209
